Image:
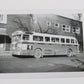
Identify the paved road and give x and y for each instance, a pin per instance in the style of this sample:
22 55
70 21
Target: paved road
10 64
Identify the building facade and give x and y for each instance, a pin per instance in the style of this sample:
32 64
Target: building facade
5 40
46 23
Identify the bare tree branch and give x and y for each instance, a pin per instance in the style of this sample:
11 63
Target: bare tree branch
40 27
20 24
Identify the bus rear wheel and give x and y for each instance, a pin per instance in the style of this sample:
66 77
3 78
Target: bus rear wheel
70 53
38 53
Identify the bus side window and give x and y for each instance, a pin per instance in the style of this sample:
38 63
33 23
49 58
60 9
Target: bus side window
62 40
47 39
37 38
72 40
40 38
25 37
53 39
57 39
67 40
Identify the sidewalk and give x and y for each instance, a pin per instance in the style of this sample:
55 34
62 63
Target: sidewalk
79 60
5 53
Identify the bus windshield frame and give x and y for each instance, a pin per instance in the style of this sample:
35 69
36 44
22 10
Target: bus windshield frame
16 38
25 37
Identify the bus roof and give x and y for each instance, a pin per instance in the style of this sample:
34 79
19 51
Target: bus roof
21 32
41 34
51 35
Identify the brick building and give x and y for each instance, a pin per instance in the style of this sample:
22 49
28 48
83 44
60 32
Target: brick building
5 40
46 23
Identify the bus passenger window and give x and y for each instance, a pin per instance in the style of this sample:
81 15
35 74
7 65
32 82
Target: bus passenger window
37 38
67 40
16 38
57 39
47 39
72 40
53 39
62 40
40 38
25 37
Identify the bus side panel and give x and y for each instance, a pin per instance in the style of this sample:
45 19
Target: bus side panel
51 49
48 49
74 48
55 49
38 46
27 52
61 49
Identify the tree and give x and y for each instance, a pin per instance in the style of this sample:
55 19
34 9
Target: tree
24 23
32 21
46 30
20 24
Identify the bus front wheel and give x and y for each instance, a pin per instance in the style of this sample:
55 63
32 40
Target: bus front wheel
38 53
69 53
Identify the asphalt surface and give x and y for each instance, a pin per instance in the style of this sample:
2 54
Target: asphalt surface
11 64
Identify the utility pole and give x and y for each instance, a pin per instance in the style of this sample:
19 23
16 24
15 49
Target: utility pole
79 16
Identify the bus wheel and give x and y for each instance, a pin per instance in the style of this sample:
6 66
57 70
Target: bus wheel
38 53
69 53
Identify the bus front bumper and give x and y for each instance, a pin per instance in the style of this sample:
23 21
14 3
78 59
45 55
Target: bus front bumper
22 53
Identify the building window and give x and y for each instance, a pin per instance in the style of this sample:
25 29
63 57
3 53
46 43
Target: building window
65 28
73 29
57 25
76 30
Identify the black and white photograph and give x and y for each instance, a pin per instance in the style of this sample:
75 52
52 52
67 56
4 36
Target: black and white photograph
41 43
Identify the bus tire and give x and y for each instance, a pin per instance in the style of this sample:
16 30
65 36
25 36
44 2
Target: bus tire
70 53
14 55
38 53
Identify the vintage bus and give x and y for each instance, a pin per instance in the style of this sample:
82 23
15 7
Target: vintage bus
40 44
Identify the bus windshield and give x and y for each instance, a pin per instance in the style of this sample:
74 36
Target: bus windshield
16 37
25 37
